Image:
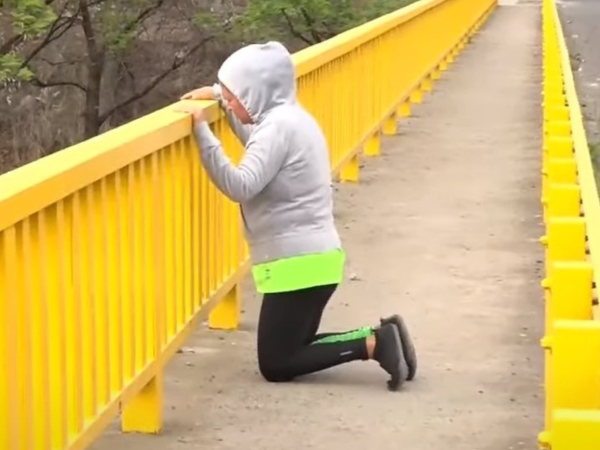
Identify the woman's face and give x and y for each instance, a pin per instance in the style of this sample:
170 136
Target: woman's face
234 105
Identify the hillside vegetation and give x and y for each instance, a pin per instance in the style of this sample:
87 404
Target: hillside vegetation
71 69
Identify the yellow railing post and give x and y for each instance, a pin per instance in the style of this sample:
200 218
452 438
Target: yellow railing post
427 84
404 109
390 126
575 380
555 147
576 430
563 200
558 127
416 96
576 368
372 146
226 314
565 240
571 286
558 172
555 127
562 171
351 170
144 413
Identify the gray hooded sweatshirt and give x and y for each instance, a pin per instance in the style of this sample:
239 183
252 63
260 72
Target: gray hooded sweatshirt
283 182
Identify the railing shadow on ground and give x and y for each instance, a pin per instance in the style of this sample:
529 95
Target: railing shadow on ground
114 250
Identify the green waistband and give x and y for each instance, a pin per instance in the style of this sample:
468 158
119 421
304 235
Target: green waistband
300 272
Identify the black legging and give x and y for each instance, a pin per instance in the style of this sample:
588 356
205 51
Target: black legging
287 336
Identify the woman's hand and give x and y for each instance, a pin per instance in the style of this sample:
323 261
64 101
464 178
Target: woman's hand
197 112
203 93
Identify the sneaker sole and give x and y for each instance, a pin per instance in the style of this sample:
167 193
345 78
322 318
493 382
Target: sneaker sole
408 348
398 378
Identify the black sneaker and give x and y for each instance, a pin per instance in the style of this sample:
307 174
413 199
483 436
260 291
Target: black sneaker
408 347
388 353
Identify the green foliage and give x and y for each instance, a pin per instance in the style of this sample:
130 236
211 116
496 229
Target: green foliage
12 68
311 21
116 23
30 17
378 8
206 19
119 22
223 25
115 35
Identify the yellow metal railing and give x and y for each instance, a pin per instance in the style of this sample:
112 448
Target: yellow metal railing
572 218
112 251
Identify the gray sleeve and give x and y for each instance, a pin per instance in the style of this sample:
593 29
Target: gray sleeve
262 160
240 130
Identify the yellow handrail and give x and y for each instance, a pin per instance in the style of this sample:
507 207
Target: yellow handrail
572 218
112 251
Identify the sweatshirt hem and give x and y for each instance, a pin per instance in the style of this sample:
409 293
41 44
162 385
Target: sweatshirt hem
295 245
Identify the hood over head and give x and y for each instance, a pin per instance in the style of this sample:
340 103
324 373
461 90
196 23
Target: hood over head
261 76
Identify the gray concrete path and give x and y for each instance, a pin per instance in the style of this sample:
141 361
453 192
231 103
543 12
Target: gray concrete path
442 228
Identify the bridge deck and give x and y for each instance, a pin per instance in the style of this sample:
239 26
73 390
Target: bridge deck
442 228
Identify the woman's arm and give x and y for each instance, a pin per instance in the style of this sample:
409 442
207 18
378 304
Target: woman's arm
263 158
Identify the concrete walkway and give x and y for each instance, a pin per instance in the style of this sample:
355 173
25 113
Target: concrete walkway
453 247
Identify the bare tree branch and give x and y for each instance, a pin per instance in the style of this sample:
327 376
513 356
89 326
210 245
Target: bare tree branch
138 22
88 29
13 42
60 26
96 54
144 15
61 63
92 3
177 63
128 71
310 22
45 84
293 29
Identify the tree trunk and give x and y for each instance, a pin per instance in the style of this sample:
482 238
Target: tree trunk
92 98
95 67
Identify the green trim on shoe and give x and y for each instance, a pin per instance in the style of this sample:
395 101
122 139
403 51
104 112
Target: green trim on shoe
355 335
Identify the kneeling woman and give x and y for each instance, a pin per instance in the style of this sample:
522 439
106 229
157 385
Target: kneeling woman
283 186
